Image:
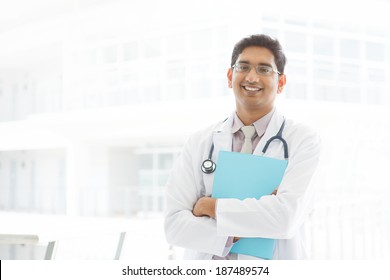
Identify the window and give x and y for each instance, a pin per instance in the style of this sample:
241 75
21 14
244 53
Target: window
323 45
175 70
349 48
297 68
201 40
323 70
349 72
110 54
295 41
375 75
375 51
130 51
152 48
297 90
176 44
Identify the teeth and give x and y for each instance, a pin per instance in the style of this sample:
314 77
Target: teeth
252 88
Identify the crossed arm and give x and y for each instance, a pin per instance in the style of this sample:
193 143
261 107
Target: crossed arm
205 206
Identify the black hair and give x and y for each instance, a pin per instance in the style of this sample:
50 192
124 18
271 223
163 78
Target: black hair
261 40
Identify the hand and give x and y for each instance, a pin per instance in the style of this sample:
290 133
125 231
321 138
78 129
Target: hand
275 191
205 206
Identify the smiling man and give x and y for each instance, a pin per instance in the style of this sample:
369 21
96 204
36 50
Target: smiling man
208 227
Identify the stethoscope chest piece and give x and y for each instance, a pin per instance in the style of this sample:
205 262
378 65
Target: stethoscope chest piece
208 166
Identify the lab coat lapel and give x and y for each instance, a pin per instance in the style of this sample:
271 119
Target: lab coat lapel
272 129
222 139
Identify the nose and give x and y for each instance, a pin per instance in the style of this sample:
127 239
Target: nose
252 76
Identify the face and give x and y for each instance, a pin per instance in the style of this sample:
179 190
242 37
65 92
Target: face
252 91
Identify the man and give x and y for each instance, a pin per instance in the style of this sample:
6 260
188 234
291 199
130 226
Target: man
208 227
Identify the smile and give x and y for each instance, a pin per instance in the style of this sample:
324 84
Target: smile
252 88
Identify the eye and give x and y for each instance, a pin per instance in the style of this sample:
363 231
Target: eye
264 70
242 67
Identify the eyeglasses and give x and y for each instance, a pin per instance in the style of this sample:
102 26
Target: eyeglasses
263 70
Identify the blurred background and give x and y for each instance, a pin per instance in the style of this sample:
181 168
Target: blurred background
97 98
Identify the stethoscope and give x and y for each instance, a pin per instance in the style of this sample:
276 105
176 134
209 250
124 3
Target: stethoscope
208 165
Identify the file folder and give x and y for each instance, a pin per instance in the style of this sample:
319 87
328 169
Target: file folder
244 176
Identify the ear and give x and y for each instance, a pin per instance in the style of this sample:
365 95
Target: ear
282 83
230 77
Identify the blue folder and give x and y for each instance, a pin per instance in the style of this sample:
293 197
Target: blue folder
248 176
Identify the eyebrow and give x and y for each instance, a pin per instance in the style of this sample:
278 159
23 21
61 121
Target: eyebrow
261 63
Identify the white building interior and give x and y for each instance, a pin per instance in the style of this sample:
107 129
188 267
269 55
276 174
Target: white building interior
97 98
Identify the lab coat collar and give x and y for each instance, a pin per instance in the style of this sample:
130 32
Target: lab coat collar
222 135
272 129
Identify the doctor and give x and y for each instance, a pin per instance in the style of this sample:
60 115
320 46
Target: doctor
208 227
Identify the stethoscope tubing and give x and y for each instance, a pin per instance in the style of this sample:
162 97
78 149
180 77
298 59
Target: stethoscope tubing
208 165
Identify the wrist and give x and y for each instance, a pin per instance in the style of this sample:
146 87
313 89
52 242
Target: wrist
210 206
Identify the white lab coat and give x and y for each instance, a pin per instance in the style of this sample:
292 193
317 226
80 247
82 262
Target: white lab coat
281 217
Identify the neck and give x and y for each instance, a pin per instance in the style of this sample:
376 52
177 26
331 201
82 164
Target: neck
249 117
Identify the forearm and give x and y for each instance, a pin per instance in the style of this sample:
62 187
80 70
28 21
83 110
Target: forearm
205 206
183 229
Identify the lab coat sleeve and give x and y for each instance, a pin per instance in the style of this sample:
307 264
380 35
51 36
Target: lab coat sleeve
276 216
182 228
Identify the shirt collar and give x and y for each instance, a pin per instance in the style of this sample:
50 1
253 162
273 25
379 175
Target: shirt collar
260 125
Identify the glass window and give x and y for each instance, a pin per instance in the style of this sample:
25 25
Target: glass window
130 74
222 39
176 43
145 161
349 48
297 68
175 91
89 57
162 179
152 48
175 70
165 161
221 88
110 54
201 88
323 45
111 77
375 95
375 75
201 40
323 70
145 179
375 51
130 51
130 94
350 28
296 91
151 93
349 72
295 41
200 69
349 94
377 31
327 93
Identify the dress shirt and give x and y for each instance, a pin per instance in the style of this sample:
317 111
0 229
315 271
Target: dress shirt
238 136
